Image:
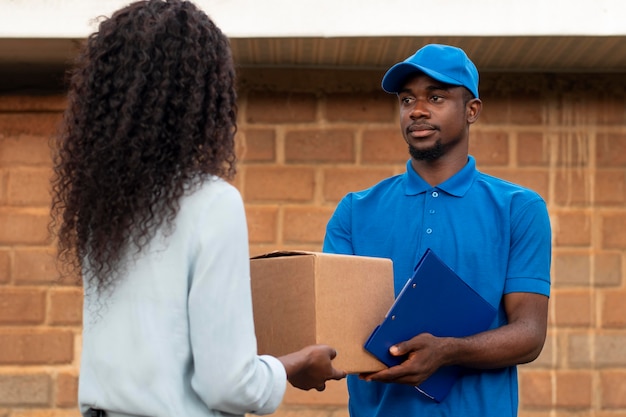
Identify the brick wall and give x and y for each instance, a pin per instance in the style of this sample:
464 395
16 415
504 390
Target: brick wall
40 318
308 137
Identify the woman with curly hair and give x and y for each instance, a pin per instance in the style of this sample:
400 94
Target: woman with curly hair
143 211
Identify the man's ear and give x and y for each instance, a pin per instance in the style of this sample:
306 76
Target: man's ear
473 108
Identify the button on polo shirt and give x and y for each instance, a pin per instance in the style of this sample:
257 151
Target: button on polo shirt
430 206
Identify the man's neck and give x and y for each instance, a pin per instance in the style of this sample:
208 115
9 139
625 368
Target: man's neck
438 171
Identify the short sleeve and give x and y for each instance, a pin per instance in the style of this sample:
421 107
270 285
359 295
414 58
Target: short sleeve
338 238
531 248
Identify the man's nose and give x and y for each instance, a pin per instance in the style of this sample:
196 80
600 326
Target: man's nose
420 109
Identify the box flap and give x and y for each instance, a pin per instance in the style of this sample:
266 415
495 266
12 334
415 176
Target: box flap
281 253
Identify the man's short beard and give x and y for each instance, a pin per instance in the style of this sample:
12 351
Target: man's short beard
431 154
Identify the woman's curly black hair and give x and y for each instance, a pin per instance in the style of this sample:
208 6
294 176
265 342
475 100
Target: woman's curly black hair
151 113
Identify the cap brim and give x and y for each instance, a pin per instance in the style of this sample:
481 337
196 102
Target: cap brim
396 76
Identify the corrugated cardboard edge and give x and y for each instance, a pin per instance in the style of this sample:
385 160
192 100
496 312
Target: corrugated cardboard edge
280 253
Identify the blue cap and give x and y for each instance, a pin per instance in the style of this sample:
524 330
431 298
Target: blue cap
444 63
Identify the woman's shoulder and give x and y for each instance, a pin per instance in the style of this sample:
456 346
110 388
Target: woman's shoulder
212 192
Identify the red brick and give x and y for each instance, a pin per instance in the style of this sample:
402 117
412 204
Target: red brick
262 224
336 393
260 145
278 184
239 141
335 145
339 181
46 413
613 231
574 111
35 266
610 187
611 150
496 110
572 187
525 110
281 108
290 246
43 123
490 148
572 151
23 226
21 150
534 413
607 269
384 146
573 389
261 248
4 179
305 224
573 308
5 266
341 412
535 389
609 350
613 389
25 390
614 309
361 107
575 412
66 306
22 306
579 350
29 187
571 269
66 390
532 149
34 103
36 347
611 110
572 228
537 180
286 410
609 413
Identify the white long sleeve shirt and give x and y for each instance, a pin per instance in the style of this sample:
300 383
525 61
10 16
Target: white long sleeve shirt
175 336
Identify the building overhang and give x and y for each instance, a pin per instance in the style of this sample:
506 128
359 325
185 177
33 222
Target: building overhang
499 36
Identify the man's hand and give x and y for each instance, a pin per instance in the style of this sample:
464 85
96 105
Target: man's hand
311 367
424 355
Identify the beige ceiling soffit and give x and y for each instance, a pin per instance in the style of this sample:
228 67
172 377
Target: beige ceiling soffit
340 18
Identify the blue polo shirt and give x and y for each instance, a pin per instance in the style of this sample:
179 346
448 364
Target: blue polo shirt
494 234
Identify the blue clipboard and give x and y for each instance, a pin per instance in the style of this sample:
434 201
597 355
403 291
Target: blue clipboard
434 300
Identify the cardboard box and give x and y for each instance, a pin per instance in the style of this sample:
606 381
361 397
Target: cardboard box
305 298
